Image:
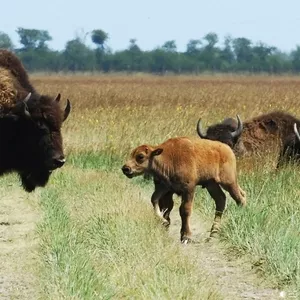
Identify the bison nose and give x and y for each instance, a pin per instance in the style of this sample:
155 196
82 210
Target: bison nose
59 161
126 170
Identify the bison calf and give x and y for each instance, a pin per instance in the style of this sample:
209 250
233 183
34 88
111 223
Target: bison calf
180 164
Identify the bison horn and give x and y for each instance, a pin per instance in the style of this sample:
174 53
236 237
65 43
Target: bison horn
27 97
57 98
239 130
67 110
26 111
199 130
296 132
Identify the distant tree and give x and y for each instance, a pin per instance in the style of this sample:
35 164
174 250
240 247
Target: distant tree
227 55
5 41
243 54
211 39
295 56
78 57
260 54
193 47
170 46
99 37
33 38
210 55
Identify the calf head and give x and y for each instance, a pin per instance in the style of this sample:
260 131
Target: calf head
140 160
38 122
227 132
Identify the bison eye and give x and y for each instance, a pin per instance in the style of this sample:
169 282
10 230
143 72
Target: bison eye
140 157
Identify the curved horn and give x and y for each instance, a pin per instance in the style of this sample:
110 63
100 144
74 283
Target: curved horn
57 98
25 107
67 110
239 130
199 130
27 97
296 132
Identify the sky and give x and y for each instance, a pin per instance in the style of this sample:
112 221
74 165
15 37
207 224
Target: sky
152 22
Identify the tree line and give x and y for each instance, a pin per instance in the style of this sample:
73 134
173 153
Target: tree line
201 55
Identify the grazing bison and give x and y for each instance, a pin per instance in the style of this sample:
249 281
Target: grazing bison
266 132
290 151
180 164
30 126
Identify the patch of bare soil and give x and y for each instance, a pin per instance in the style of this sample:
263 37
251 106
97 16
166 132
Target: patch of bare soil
18 243
234 277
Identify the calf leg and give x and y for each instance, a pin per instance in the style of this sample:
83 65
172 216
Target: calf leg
235 192
219 197
166 204
160 192
185 211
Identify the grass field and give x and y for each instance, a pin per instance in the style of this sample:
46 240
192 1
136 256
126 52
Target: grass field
98 236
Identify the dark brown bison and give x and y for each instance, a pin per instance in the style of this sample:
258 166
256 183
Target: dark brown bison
266 132
290 151
30 126
180 164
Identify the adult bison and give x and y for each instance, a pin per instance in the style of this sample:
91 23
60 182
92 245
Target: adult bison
290 151
30 126
180 164
266 132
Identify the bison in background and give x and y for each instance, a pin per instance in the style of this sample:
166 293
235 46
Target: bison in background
290 151
30 126
266 132
180 164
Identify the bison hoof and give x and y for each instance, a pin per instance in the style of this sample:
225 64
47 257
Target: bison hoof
165 223
214 233
186 240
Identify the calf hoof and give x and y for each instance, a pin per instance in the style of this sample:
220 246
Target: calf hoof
186 240
214 233
165 223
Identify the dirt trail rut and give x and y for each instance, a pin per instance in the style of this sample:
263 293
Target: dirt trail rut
234 277
18 217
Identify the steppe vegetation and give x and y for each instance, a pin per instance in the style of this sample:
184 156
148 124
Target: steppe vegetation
98 237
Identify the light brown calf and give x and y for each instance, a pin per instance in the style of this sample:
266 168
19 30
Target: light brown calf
180 164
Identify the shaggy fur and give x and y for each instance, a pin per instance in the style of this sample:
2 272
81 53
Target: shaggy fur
11 62
10 91
263 133
30 132
180 164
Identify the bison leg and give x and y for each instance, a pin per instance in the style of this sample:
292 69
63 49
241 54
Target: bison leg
160 192
185 211
235 192
219 197
166 204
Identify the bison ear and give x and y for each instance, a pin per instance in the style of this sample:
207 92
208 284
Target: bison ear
157 151
57 99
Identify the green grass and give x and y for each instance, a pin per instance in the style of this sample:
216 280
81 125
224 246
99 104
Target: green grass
268 228
99 240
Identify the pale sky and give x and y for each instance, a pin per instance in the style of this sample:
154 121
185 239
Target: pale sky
152 22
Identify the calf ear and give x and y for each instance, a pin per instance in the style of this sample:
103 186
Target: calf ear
157 151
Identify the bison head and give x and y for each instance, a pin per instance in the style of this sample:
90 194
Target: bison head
39 141
139 160
227 132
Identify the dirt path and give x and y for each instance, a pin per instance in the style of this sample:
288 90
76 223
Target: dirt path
235 278
18 217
